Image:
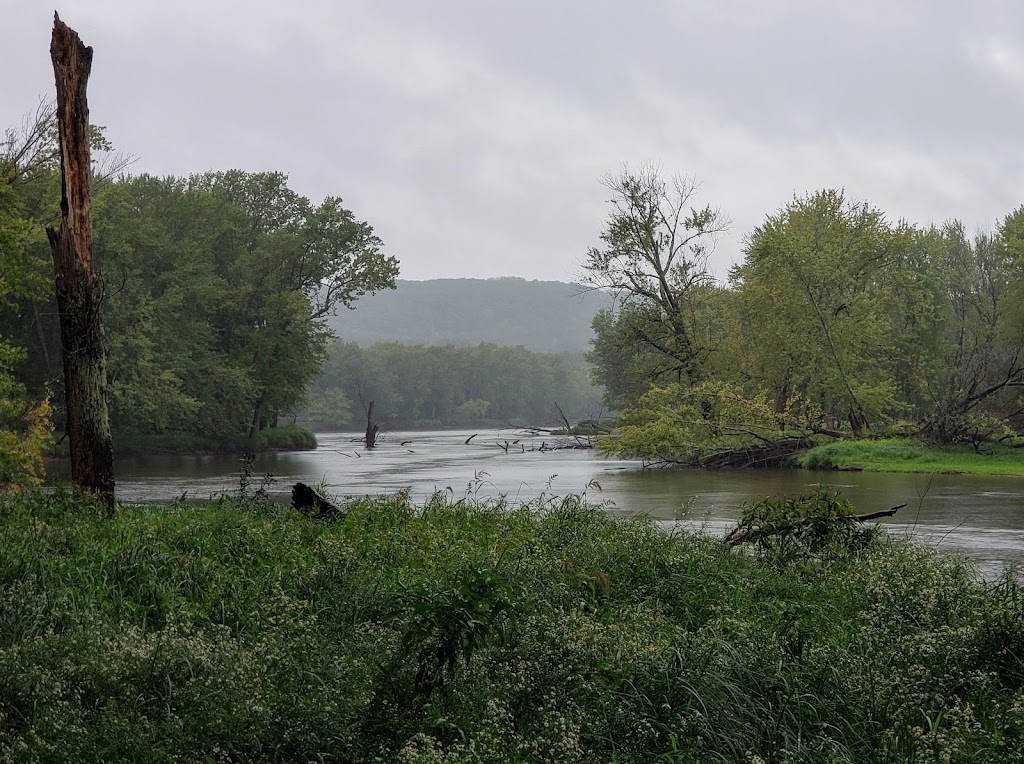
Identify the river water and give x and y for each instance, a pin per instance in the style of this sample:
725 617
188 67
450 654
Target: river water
982 517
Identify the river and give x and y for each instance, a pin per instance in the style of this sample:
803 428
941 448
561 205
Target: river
980 516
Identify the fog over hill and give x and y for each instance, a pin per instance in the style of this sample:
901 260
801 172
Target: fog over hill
549 316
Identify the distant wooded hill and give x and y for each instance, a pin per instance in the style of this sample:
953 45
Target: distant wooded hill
548 316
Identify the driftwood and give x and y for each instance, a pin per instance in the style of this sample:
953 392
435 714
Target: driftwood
314 504
745 535
77 283
568 427
564 445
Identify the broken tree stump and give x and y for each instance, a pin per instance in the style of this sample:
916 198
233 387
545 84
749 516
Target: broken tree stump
371 428
314 504
76 283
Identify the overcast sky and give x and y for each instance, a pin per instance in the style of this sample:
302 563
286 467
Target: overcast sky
473 135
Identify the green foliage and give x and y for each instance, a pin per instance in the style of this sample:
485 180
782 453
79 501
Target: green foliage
246 632
270 266
471 411
625 366
825 284
981 427
442 626
687 425
653 258
289 437
25 426
26 432
218 290
872 323
974 361
901 428
328 410
819 525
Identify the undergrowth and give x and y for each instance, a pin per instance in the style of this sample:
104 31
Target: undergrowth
241 631
289 437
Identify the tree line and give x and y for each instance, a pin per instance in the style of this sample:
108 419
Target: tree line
440 386
217 287
837 320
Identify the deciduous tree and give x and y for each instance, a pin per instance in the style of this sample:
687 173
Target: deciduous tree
654 256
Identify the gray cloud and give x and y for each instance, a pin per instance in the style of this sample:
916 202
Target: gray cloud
473 135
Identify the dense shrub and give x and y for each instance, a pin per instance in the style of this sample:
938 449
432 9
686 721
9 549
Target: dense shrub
458 631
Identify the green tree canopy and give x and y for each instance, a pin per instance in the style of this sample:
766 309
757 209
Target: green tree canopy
823 288
653 256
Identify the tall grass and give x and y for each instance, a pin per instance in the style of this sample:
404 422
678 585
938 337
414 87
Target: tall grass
459 631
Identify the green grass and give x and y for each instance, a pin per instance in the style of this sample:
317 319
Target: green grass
464 632
904 455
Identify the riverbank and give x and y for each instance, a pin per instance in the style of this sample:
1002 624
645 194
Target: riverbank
905 455
453 632
288 437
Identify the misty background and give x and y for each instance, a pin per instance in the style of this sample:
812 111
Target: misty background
473 135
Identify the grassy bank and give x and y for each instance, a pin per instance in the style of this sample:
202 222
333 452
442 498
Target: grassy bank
451 633
900 455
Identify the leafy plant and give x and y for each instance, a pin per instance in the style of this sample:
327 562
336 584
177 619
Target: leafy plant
443 626
816 525
695 425
25 428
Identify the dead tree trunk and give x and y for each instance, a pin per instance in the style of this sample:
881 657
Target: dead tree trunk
371 427
77 285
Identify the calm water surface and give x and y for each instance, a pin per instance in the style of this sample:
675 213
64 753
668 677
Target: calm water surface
979 516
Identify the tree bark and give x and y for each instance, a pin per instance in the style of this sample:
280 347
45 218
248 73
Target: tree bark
371 428
76 283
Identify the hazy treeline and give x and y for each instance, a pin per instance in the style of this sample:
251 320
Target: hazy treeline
837 319
217 288
439 386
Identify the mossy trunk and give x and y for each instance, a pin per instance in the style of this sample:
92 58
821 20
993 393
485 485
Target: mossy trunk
76 283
